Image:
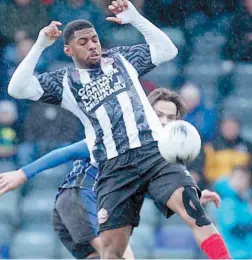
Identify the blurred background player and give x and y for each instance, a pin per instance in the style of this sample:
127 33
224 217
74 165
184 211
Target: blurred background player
75 212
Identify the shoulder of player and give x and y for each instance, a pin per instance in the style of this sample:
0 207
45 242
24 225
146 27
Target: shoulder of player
54 73
126 49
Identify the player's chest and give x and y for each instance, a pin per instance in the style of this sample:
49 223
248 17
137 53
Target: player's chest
93 88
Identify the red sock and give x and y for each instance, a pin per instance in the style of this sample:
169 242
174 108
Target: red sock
215 248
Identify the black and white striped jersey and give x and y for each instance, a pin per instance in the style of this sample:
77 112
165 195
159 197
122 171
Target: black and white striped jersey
109 100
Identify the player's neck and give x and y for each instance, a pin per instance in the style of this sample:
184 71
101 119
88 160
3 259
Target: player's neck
86 66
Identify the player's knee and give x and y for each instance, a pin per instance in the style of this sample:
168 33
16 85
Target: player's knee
110 249
192 211
111 252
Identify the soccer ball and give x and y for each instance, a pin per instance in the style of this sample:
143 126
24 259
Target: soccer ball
179 141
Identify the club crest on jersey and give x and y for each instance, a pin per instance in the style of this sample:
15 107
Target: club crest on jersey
102 216
187 173
108 61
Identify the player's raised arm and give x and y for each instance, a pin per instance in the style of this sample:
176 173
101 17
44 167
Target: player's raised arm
23 84
161 47
12 180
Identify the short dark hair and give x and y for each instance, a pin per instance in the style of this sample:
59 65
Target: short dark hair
73 26
167 95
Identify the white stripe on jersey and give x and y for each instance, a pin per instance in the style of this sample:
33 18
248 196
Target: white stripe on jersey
84 76
69 103
150 114
129 120
104 121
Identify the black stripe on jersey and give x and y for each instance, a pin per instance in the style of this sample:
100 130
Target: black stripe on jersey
52 84
99 151
120 137
146 134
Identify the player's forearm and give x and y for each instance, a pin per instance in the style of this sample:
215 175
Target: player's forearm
57 157
161 46
22 80
48 161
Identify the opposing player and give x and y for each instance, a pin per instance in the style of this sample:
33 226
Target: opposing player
75 213
120 126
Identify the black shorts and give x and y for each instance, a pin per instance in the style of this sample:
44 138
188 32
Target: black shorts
126 179
75 220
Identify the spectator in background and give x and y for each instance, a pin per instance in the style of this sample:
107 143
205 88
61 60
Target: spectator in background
239 42
197 114
26 15
12 55
47 127
148 86
227 151
234 217
8 138
15 52
69 10
48 2
103 5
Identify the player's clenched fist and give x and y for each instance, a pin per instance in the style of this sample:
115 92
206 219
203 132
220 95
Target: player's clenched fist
124 10
11 180
49 34
118 6
52 31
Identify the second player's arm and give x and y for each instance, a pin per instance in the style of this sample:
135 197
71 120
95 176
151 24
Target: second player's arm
57 157
12 180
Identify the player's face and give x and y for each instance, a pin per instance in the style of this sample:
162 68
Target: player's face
85 48
166 111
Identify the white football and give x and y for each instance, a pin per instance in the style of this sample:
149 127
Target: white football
179 141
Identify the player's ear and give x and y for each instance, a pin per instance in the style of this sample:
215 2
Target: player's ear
68 50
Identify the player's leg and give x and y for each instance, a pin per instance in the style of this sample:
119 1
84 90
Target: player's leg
77 214
114 242
89 202
81 231
129 254
120 194
175 191
66 239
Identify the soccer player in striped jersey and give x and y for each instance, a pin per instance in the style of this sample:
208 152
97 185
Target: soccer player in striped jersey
77 192
120 125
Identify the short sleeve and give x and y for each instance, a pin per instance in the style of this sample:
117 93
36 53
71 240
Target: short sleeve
138 55
52 85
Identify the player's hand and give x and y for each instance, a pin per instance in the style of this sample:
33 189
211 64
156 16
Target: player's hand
124 10
49 34
210 196
11 180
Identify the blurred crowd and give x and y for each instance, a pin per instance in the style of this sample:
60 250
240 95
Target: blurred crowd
213 74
